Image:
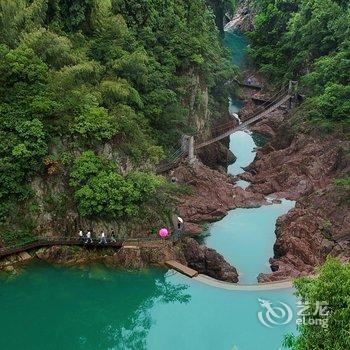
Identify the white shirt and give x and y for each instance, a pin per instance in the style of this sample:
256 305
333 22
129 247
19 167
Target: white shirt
80 233
103 235
88 235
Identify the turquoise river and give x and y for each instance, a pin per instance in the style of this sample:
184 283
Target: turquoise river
95 308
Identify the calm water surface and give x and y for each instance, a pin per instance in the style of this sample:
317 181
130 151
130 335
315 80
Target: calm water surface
47 308
245 237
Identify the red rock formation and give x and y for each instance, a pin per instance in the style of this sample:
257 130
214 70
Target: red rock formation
214 194
207 261
319 226
302 167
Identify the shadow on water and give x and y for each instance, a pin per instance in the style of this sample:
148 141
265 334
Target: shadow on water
260 140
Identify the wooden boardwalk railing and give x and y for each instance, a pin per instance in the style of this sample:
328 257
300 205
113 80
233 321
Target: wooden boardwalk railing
43 242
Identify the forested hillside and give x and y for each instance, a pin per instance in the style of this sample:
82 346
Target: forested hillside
93 94
308 40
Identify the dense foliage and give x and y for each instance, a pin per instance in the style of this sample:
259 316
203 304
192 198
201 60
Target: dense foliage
309 41
221 8
99 76
332 285
102 192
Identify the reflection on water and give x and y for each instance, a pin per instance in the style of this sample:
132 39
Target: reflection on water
93 308
97 308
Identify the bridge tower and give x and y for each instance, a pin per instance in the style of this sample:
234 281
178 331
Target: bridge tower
187 147
293 91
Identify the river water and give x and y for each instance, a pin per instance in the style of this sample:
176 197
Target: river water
95 308
47 308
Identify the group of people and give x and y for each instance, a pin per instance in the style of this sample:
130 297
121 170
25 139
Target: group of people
102 238
87 238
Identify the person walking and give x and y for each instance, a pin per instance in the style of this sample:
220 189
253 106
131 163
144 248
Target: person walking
103 239
180 223
88 238
113 240
81 236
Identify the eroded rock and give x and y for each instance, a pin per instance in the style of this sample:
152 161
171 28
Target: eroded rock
208 261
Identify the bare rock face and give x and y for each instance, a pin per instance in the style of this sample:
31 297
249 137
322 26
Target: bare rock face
207 261
319 226
216 156
248 199
304 166
70 256
214 194
212 197
13 262
187 251
128 257
243 18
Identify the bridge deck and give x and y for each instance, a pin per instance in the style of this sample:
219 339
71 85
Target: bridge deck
244 124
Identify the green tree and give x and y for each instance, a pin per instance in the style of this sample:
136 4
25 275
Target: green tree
331 285
110 75
313 38
96 124
101 192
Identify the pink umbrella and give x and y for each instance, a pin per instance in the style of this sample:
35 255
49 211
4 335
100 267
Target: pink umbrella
163 232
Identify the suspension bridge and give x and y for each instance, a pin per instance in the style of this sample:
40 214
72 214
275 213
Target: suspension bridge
191 144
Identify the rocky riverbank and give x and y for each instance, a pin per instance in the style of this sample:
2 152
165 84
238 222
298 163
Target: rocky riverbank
291 165
132 257
214 194
302 167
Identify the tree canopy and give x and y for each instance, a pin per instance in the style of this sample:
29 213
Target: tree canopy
101 76
331 285
308 41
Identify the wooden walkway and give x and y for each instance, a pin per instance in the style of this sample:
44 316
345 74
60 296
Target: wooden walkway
119 243
286 284
185 270
60 242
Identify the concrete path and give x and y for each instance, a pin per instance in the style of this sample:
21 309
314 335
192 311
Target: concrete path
243 287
